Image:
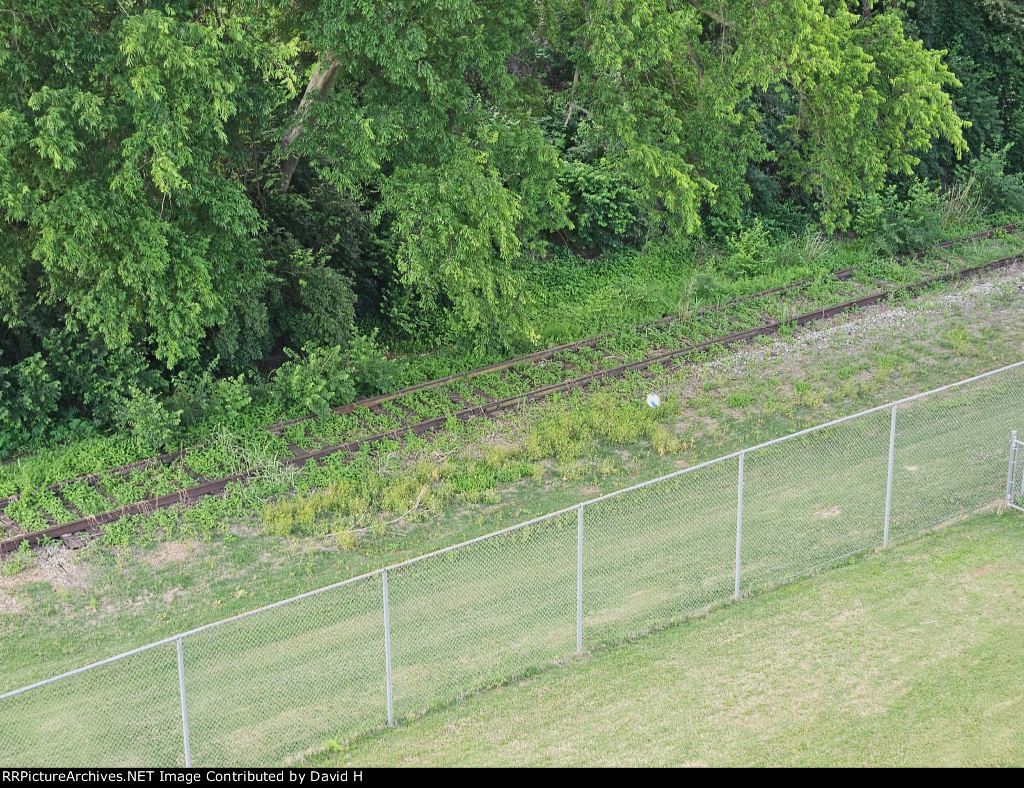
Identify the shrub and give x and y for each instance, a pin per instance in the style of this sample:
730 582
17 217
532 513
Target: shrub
898 226
997 190
150 422
93 377
312 383
316 241
29 396
373 371
602 205
190 394
229 399
319 306
750 251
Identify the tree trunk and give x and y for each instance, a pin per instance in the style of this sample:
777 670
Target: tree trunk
319 87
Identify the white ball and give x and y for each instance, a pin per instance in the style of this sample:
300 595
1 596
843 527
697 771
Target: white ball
653 400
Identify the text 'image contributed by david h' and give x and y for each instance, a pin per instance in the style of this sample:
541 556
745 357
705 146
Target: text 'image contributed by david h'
185 776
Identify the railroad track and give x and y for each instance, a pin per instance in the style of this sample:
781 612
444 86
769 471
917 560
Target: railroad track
75 510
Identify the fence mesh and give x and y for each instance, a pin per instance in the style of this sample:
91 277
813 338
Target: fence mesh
811 500
952 450
484 613
657 554
125 713
270 687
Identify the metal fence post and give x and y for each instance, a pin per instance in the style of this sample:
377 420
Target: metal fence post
184 704
888 484
579 580
739 523
387 651
1012 468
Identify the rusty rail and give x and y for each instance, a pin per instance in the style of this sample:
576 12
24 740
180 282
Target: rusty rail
187 495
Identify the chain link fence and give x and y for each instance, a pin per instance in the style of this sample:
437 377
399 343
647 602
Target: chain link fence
271 686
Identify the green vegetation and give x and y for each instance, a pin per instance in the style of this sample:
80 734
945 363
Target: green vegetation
226 215
227 449
504 609
153 576
214 217
904 658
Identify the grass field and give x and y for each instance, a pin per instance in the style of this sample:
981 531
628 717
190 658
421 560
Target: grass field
266 689
907 657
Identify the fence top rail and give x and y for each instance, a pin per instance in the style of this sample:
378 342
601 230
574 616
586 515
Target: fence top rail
534 521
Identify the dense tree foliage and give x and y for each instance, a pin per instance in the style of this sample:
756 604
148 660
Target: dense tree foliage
985 40
190 187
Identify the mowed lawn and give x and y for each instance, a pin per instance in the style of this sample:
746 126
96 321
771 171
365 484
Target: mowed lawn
910 656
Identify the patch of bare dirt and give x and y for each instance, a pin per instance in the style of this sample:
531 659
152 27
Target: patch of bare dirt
10 603
982 571
54 565
242 529
169 553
